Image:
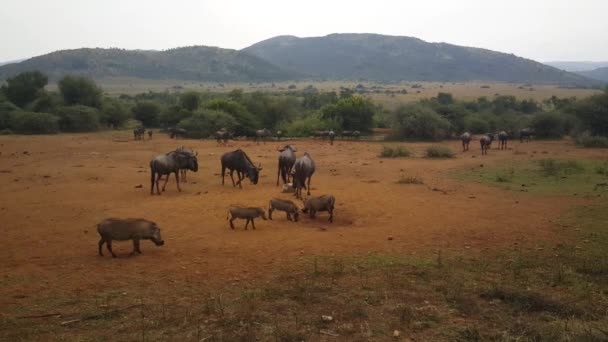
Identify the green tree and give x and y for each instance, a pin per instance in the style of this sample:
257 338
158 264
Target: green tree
352 113
78 118
23 88
204 123
246 122
79 90
593 113
190 100
549 125
172 115
113 113
6 111
416 121
445 98
34 123
147 112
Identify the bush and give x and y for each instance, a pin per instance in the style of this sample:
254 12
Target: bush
476 124
23 88
205 123
148 113
394 152
172 115
246 122
552 167
352 113
114 114
34 123
303 127
79 90
6 110
190 100
592 141
439 152
549 125
78 119
419 122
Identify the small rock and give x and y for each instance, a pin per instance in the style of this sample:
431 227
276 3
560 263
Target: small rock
327 318
396 333
480 165
139 186
390 238
198 193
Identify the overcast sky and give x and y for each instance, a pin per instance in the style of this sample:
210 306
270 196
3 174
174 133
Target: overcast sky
544 30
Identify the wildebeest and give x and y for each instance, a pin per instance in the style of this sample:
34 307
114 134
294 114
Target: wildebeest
279 135
150 134
239 161
262 134
503 137
312 205
138 133
286 160
320 134
287 206
248 214
332 135
466 139
525 134
351 134
183 149
222 136
176 133
486 141
169 163
128 229
304 169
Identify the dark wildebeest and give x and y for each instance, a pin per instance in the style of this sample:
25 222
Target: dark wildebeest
239 161
283 205
183 149
222 136
286 160
248 214
312 205
169 163
304 168
176 133
128 229
525 134
138 133
262 134
332 135
150 134
503 137
486 141
466 139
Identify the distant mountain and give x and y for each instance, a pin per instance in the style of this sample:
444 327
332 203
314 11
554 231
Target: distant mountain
577 66
394 58
10 62
188 63
598 74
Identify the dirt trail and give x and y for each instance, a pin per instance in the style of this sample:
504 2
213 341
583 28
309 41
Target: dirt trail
54 194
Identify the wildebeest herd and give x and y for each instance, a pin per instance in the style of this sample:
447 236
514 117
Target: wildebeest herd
485 141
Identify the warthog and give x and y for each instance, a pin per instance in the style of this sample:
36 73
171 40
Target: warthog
239 161
312 205
169 163
304 169
283 205
138 133
503 137
525 134
286 160
128 229
466 139
486 141
248 214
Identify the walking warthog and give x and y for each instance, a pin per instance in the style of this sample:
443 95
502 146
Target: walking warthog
312 205
283 205
248 214
128 229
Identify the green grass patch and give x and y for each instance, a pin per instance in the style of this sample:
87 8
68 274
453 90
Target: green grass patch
394 152
439 152
546 176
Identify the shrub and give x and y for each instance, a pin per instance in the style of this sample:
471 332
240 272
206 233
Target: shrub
439 152
190 100
549 125
352 113
23 88
172 115
78 119
80 90
552 167
34 123
419 122
147 112
476 124
6 110
246 122
114 114
304 126
394 152
205 123
588 140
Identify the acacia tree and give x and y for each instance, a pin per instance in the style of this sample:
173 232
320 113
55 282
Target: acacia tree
23 88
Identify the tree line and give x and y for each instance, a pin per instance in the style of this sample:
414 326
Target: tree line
79 105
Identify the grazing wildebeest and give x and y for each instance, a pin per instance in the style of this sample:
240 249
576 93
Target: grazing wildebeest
176 133
222 136
239 161
286 160
466 139
248 214
150 134
332 135
525 134
183 172
128 229
262 134
312 205
304 168
287 206
169 163
503 137
486 141
138 133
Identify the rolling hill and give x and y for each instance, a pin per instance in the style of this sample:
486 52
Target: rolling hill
574 66
395 58
598 74
188 63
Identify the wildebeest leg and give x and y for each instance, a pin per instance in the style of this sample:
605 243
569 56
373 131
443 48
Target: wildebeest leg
231 224
279 173
177 180
135 247
101 242
238 174
109 246
151 181
183 175
247 223
166 180
253 223
308 190
289 216
312 213
270 213
223 173
158 176
232 177
331 215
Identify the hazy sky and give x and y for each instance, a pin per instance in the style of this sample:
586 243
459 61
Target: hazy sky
543 30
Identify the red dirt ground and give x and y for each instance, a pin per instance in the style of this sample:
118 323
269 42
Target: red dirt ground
54 195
